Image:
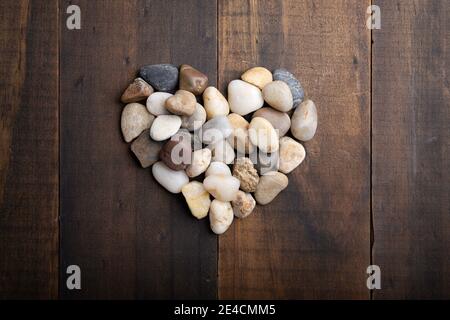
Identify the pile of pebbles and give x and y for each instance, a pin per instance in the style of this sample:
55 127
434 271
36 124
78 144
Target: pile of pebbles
237 150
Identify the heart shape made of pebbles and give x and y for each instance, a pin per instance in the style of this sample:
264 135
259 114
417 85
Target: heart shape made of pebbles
191 134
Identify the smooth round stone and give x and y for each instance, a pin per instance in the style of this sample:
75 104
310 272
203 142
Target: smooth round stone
222 151
216 129
215 103
257 76
182 103
156 103
173 181
244 97
176 154
243 205
269 186
265 162
218 168
192 80
263 135
220 216
221 187
135 119
197 199
162 77
239 138
145 149
137 90
304 121
292 154
244 170
196 120
298 94
200 162
164 127
279 120
278 95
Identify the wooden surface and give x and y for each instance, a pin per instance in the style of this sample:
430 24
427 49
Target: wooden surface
374 187
28 149
411 147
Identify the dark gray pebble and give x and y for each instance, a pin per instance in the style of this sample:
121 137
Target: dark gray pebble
162 77
296 88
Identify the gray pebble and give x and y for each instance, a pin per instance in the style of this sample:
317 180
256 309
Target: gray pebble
296 88
163 77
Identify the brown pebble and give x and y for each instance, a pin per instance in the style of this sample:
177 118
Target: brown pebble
176 154
192 80
137 90
146 150
183 103
244 170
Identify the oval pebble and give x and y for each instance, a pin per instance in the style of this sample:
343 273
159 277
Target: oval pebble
244 97
182 103
197 199
258 76
215 103
304 121
292 154
135 119
222 187
156 103
263 135
164 127
220 216
297 91
218 168
173 181
278 95
279 120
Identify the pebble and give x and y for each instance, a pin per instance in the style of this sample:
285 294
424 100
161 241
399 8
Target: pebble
196 120
244 170
192 80
162 77
243 205
220 216
200 162
182 103
216 129
269 186
258 76
244 97
266 162
146 150
222 151
279 120
297 91
164 127
278 95
135 119
222 187
218 168
176 154
239 138
215 103
304 121
263 135
173 181
292 154
156 103
137 90
197 199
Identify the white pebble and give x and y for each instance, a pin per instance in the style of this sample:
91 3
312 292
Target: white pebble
220 216
263 135
170 179
218 168
197 199
215 103
200 162
304 121
164 127
244 97
223 188
156 103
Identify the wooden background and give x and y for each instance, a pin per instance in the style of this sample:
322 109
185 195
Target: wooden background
374 188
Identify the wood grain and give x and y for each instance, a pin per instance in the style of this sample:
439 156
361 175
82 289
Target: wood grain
313 240
411 134
131 238
28 150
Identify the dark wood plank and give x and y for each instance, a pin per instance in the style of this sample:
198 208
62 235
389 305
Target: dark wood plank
28 150
313 240
411 134
131 238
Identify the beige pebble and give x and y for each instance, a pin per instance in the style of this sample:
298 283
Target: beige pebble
222 151
239 138
196 120
244 97
257 76
292 154
269 186
278 95
243 205
244 170
200 162
279 120
197 199
182 103
215 103
304 121
156 103
220 216
263 135
135 119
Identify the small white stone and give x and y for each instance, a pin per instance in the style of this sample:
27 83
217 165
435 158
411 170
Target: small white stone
292 154
215 103
156 103
244 97
220 216
135 119
197 199
221 187
200 162
196 120
222 151
173 181
304 121
218 168
257 76
243 205
239 138
263 135
164 127
278 95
